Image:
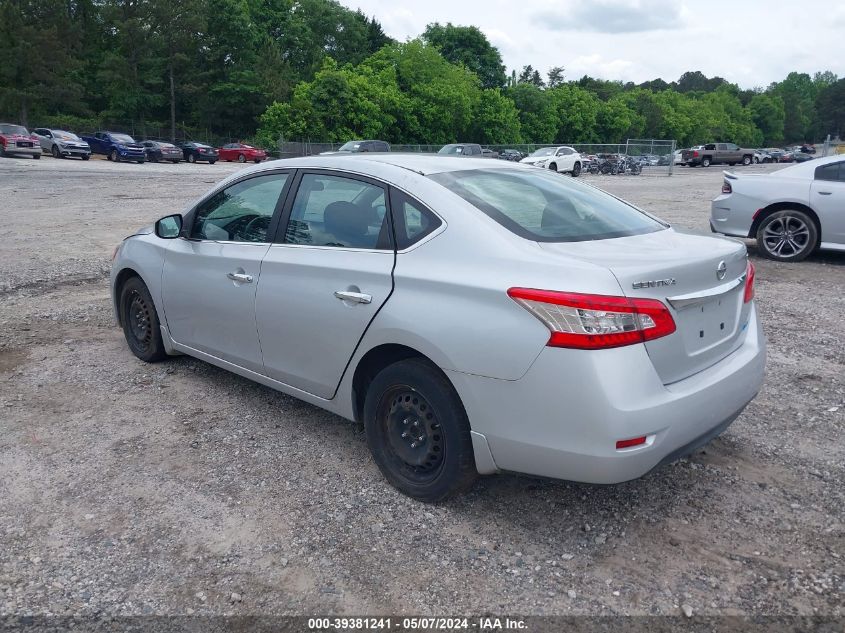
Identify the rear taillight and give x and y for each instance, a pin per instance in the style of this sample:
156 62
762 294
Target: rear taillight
749 283
726 187
583 321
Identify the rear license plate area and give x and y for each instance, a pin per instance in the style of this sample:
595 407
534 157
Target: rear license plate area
709 324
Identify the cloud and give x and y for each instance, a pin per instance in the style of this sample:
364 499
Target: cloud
597 66
612 16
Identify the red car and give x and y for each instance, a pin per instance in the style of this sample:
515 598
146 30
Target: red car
14 139
241 153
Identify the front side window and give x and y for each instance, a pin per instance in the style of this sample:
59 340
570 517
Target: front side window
336 211
832 171
241 212
543 207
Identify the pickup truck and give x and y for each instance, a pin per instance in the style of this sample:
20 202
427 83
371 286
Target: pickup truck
116 147
717 154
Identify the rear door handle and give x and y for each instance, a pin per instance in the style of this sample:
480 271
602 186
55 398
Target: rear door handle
240 277
353 297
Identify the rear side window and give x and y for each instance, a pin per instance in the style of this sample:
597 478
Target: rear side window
833 171
544 207
412 221
337 211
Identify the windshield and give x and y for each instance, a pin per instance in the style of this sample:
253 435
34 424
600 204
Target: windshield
451 149
544 151
7 128
65 136
351 146
544 207
122 138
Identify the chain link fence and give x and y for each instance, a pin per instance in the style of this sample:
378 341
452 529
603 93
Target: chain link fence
655 156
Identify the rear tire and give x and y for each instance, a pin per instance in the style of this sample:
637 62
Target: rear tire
140 321
241 158
191 158
787 236
211 162
418 432
37 156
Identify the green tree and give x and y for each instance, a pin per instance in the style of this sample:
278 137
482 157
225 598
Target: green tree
799 95
767 112
467 45
495 120
537 114
556 77
830 105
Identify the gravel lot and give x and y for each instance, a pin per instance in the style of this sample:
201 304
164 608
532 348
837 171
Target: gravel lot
179 488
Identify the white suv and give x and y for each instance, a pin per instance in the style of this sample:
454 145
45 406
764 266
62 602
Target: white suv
559 159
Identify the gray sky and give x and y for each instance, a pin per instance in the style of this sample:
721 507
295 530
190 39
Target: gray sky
749 42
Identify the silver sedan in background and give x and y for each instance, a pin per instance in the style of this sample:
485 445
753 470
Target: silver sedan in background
62 144
790 212
477 316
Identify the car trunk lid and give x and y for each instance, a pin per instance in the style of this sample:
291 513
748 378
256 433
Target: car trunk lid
701 279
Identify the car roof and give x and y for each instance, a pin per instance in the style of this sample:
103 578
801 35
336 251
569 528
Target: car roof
423 164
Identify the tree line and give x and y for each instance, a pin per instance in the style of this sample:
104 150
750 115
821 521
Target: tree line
315 70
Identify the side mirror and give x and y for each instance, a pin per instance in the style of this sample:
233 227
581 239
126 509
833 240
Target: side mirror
169 228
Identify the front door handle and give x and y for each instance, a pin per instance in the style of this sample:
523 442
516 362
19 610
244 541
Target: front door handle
353 297
825 193
240 277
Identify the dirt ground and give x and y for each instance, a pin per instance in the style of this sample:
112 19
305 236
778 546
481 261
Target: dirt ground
178 488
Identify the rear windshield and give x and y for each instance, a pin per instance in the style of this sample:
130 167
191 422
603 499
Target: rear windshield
545 207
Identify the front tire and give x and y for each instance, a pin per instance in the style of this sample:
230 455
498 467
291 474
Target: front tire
705 162
787 236
191 158
553 167
140 322
746 160
576 170
86 156
55 151
37 156
113 157
418 432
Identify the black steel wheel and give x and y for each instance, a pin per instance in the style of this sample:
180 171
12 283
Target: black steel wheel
418 432
787 236
553 166
140 321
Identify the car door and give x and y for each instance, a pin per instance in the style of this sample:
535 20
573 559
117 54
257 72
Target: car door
827 198
324 279
211 272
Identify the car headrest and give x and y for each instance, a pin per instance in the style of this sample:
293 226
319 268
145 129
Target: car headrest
346 222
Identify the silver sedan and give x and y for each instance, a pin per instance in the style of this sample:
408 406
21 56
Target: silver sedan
790 212
477 316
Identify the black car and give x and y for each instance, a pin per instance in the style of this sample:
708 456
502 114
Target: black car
462 149
511 154
193 152
162 150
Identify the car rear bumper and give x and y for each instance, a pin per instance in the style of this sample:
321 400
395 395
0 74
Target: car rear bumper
733 214
562 419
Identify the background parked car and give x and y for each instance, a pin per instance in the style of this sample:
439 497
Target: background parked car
790 212
193 152
14 139
762 156
486 152
462 149
241 153
511 154
560 159
116 146
354 147
162 150
61 144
